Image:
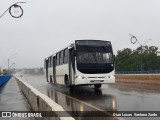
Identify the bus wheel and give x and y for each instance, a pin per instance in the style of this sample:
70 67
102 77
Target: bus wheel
71 88
50 78
66 80
97 86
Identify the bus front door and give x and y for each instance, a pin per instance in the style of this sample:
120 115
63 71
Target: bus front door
71 67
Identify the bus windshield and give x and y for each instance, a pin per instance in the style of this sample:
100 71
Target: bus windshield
94 59
94 55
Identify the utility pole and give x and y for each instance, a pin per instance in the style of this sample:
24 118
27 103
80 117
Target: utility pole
134 40
10 58
15 10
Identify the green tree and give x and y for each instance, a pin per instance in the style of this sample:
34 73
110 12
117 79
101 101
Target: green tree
130 60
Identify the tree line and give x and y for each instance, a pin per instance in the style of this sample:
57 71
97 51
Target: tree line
143 58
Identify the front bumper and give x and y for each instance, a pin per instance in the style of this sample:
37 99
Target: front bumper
94 80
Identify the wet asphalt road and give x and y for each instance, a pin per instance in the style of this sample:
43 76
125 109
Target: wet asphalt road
111 97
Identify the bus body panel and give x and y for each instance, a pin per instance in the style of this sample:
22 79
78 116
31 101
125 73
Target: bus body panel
61 71
80 78
90 79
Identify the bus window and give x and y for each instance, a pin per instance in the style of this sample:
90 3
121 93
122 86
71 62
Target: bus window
61 57
66 56
51 62
57 56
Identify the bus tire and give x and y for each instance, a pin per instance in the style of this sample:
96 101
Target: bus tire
50 78
97 86
71 88
66 80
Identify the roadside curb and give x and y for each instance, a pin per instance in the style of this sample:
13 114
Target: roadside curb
41 102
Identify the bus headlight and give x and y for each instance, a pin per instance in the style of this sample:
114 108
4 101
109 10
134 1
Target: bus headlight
79 77
112 76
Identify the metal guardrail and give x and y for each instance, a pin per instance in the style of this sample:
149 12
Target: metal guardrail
139 72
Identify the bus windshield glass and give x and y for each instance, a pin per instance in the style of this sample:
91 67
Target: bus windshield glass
96 55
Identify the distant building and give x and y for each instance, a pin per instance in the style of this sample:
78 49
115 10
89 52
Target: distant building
1 71
36 71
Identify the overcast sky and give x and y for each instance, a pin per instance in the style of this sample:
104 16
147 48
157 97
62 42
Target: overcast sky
49 25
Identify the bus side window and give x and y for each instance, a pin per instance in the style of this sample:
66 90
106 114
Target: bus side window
61 57
66 56
57 56
51 62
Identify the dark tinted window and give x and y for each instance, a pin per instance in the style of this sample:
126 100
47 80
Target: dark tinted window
61 57
66 52
57 59
51 62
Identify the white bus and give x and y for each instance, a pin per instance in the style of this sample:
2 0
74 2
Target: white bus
84 62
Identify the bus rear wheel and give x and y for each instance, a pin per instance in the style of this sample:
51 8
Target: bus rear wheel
66 80
97 86
71 88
